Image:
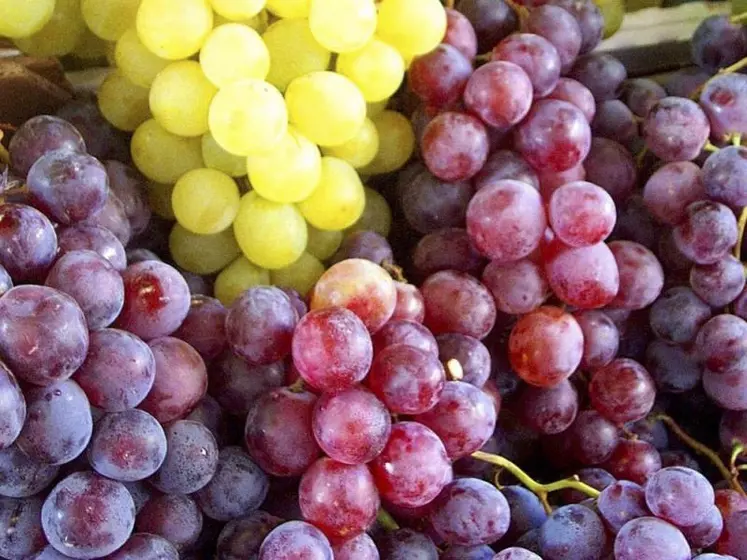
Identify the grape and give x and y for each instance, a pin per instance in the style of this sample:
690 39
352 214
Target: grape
729 501
560 28
396 142
555 136
594 437
499 92
101 139
40 135
720 283
413 468
723 100
93 238
439 77
515 553
180 381
622 391
88 516
460 33
278 432
204 327
535 55
492 21
384 58
612 167
732 431
238 488
707 531
295 539
572 532
718 43
135 61
367 245
174 37
640 94
142 546
526 510
48 553
671 189
176 154
545 346
405 332
28 243
243 45
649 538
505 164
732 539
589 18
472 355
122 103
454 146
430 204
140 493
602 73
352 427
694 496
404 544
673 369
12 407
219 204
727 389
601 338
550 181
191 459
446 249
707 232
243 536
506 220
722 176
175 518
675 129
721 342
634 460
710 556
615 121
128 186
22 531
293 51
360 547
360 150
641 275
549 410
678 314
118 372
621 502
6 282
581 213
21 476
112 217
597 478
236 384
456 302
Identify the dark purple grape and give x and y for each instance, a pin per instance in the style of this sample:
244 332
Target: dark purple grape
622 391
492 21
480 552
461 35
601 338
535 55
722 342
135 256
102 139
191 460
706 532
724 100
112 217
12 407
173 517
547 410
143 546
678 458
40 135
527 512
687 82
649 538
720 283
446 249
367 245
589 18
611 166
295 539
235 384
678 314
560 28
243 536
641 275
505 164
602 73
640 94
597 478
500 93
93 238
21 476
438 78
21 531
727 389
615 121
129 186
621 502
707 233
671 189
454 146
406 544
676 129
472 355
204 327
718 43
634 460
594 437
28 243
572 532
674 369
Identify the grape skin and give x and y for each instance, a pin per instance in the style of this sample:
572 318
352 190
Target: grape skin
548 410
560 28
694 495
602 73
22 531
143 546
295 539
601 338
649 538
235 384
536 55
245 535
505 164
454 146
21 476
676 129
40 135
404 544
191 460
641 275
621 502
500 93
173 517
445 249
634 460
622 391
572 532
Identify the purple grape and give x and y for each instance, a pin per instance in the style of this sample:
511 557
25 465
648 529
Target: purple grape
527 512
602 73
12 407
687 82
676 129
671 189
82 237
518 287
707 233
706 532
191 460
244 536
472 355
88 516
595 477
589 18
112 217
360 547
405 332
634 460
438 77
480 552
620 502
678 314
40 135
536 56
560 28
723 176
572 532
492 21
102 140
674 369
641 94
576 94
601 338
21 476
143 546
175 518
724 99
594 437
516 553
446 249
722 342
295 539
720 283
406 544
548 410
641 275
48 553
454 146
679 495
135 256
649 538
611 166
718 43
204 327
129 187
460 34
28 243
615 121
235 384
140 493
21 527
364 245
505 164
727 389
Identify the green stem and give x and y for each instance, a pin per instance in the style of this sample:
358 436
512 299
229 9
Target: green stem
741 224
386 520
739 18
736 139
736 451
736 67
711 147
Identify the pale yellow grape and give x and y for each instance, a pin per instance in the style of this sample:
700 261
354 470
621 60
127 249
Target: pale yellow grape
411 26
289 8
180 98
338 201
135 61
123 103
259 22
377 69
376 107
271 235
164 157
377 215
90 47
60 34
109 19
159 199
325 107
216 157
288 173
174 29
22 18
342 25
361 149
323 243
248 117
232 52
238 277
396 143
205 201
300 276
109 52
202 254
237 10
293 51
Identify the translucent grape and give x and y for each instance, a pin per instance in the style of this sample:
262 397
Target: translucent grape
338 199
174 35
203 254
173 517
454 146
123 103
671 189
641 275
161 156
215 157
572 532
535 55
295 539
26 21
376 67
649 538
360 150
391 26
675 129
237 277
294 51
135 61
239 44
396 142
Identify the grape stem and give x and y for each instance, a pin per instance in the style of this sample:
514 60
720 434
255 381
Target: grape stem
394 271
736 140
449 4
4 155
541 490
736 67
731 478
739 18
736 451
521 11
711 147
740 232
386 520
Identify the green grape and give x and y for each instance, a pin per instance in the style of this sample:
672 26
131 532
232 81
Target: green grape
161 156
123 103
216 157
202 254
109 19
237 10
60 34
323 243
180 98
293 51
23 18
395 25
377 69
325 107
300 276
271 235
259 22
205 201
376 107
338 200
248 117
613 12
238 277
159 199
174 29
396 143
288 173
360 150
90 47
377 215
289 8
343 25
135 61
232 52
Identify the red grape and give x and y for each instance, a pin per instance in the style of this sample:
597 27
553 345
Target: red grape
438 78
173 517
294 540
500 93
634 460
601 338
560 28
594 437
549 410
518 287
535 55
460 34
410 304
454 146
649 538
611 166
676 129
671 189
641 275
707 232
622 391
405 332
505 164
